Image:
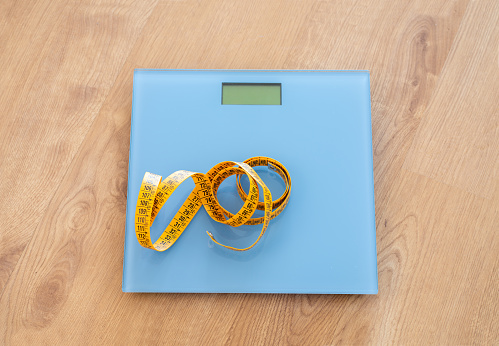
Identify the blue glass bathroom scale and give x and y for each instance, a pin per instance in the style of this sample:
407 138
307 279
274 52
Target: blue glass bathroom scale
316 123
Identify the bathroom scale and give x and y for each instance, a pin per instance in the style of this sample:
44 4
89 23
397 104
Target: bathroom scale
316 123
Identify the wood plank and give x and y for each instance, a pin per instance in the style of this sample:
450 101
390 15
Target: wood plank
437 251
433 239
60 66
458 142
21 38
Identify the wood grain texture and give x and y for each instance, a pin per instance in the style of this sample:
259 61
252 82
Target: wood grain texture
458 142
64 136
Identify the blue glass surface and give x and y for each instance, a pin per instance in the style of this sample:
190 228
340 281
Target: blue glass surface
325 239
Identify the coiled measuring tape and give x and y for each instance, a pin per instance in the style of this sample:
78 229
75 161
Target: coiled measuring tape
154 193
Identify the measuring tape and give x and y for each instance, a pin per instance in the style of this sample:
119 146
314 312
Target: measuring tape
154 193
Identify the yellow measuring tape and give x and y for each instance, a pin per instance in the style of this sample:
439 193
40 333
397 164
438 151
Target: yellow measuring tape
154 193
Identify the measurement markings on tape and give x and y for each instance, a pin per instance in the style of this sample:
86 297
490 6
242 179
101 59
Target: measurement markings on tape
154 192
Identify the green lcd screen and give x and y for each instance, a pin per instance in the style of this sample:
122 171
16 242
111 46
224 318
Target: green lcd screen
251 93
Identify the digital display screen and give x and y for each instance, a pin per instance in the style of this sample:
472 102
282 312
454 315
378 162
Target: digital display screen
251 94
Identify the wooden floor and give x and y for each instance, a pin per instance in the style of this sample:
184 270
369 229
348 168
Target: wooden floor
65 99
